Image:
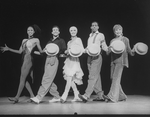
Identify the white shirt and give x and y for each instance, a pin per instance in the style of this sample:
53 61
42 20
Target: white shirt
99 39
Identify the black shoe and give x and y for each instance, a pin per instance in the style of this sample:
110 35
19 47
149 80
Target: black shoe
62 101
123 100
99 99
14 100
82 98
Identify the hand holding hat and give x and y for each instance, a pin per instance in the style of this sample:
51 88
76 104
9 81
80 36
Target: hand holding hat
75 50
51 49
140 48
85 50
133 50
67 52
117 46
93 50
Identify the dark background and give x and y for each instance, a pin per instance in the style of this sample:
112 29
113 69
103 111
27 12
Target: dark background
17 15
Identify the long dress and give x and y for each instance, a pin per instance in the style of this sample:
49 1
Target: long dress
72 68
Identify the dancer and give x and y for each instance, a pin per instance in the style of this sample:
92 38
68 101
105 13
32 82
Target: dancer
118 61
94 66
26 50
51 66
72 69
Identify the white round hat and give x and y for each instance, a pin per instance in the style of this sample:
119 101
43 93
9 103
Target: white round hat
51 49
93 50
118 46
141 48
75 50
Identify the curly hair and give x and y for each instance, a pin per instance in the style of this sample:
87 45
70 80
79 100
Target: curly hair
37 30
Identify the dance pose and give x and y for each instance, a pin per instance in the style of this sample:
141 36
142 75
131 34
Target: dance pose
118 61
72 70
94 64
51 66
26 49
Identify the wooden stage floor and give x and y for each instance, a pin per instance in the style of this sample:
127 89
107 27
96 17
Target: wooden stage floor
135 104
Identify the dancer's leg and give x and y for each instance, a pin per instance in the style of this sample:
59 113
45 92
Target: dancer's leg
75 90
67 88
27 85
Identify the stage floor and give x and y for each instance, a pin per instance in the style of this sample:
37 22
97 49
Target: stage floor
135 104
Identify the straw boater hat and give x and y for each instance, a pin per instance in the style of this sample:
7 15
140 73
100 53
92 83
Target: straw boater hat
51 49
75 50
118 46
93 50
141 48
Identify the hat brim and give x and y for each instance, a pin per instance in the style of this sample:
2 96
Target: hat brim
48 50
93 53
138 51
49 53
115 50
75 54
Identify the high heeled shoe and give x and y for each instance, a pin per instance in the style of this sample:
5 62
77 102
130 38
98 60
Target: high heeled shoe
106 98
29 100
14 100
123 100
109 101
82 97
62 101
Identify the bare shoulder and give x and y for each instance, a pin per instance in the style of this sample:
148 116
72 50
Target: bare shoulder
35 40
24 40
